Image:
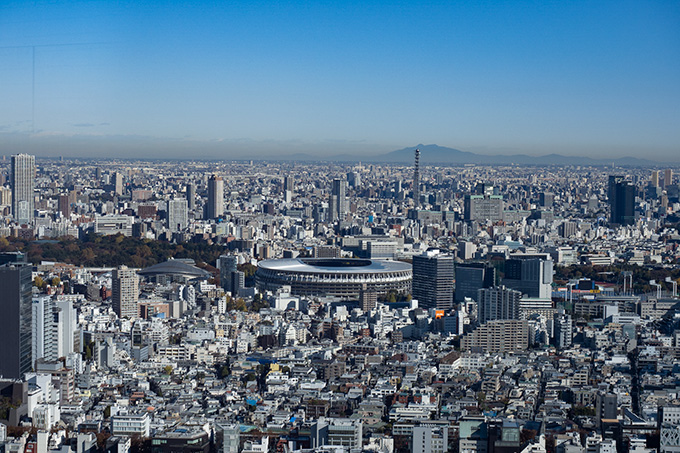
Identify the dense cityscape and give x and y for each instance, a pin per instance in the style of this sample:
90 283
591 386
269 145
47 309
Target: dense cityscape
256 306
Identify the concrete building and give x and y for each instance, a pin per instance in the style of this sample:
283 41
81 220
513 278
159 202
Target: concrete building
177 214
16 322
497 302
215 206
531 275
22 180
498 337
125 292
433 274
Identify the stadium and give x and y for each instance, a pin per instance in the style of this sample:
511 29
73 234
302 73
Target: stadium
338 277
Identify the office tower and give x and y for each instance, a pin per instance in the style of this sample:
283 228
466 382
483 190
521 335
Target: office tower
98 175
667 177
530 274
546 199
67 332
289 183
354 179
621 201
177 214
498 336
416 178
16 322
43 329
654 179
191 196
118 183
497 302
215 206
22 178
471 277
563 329
483 207
433 274
231 278
64 205
125 292
339 206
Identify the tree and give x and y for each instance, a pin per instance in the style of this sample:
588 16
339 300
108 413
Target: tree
56 281
38 282
167 370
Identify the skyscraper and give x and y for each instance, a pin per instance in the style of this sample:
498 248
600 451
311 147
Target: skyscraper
118 185
43 327
16 322
191 196
125 292
667 177
471 277
215 206
530 274
654 180
23 183
433 275
496 303
339 206
231 278
621 201
177 214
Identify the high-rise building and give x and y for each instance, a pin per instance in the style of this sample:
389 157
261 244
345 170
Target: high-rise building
65 205
497 302
231 278
621 201
289 183
191 196
503 335
546 199
654 178
16 322
43 329
118 185
433 275
67 332
483 207
177 214
215 206
667 177
22 179
125 292
471 277
563 329
530 274
339 205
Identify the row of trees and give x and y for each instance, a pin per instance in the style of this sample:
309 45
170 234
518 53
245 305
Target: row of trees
109 251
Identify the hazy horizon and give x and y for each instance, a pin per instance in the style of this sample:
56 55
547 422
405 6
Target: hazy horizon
246 79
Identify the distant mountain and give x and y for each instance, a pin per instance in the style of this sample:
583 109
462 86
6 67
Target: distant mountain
435 154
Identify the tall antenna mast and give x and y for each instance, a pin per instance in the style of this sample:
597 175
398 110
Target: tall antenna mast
416 180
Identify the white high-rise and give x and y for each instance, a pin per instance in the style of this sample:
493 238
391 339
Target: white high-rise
44 344
125 292
177 214
22 177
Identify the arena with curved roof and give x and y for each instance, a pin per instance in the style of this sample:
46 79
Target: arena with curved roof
338 277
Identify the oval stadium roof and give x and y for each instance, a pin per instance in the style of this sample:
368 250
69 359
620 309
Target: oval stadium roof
174 267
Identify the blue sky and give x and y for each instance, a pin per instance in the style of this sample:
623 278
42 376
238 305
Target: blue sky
596 78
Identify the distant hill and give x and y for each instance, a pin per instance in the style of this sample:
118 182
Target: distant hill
435 154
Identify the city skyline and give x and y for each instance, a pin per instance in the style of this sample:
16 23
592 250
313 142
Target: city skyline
230 81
